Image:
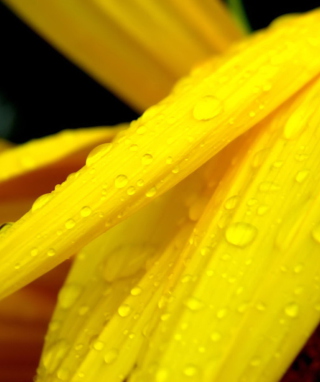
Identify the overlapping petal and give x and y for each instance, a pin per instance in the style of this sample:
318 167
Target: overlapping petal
166 144
137 48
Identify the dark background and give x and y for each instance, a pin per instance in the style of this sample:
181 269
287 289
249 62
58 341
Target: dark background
32 73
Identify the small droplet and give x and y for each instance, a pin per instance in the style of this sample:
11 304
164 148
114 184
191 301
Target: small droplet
140 183
169 160
69 295
147 159
207 108
63 374
133 147
124 310
262 210
241 234
131 191
161 375
268 187
190 371
97 153
85 211
34 252
98 345
205 251
150 193
231 202
315 233
141 130
255 362
292 310
135 291
302 176
194 304
51 252
215 336
221 313
121 181
70 224
111 356
277 164
295 125
41 201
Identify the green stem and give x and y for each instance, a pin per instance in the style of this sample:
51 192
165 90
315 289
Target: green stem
239 13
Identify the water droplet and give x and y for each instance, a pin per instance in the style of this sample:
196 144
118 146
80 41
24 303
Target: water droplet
315 233
150 193
292 310
51 252
34 252
215 336
54 354
98 345
83 310
121 181
131 191
85 211
205 251
261 306
207 108
124 310
190 371
41 201
255 362
298 268
302 176
140 183
268 187
231 202
162 375
147 159
221 313
165 316
135 291
63 374
241 234
262 210
194 304
133 147
70 224
169 160
259 158
277 164
110 356
97 153
295 124
69 295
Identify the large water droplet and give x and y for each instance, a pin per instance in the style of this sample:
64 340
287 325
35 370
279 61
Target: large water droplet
241 234
150 193
41 201
111 356
85 211
147 159
194 304
207 108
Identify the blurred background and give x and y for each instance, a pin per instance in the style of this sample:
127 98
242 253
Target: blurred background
32 73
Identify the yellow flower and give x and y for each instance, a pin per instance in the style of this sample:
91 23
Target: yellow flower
197 230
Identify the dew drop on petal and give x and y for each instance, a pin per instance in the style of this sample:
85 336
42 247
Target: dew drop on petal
207 108
150 193
69 295
124 310
268 187
231 202
316 233
110 356
97 153
301 176
147 159
131 191
69 224
51 252
98 345
292 310
215 336
121 181
241 234
135 291
41 201
190 371
161 375
194 304
85 211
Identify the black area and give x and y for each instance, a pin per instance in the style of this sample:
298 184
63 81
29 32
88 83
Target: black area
261 12
47 91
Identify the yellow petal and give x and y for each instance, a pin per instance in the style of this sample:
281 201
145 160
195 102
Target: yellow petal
165 145
253 263
42 152
137 48
110 281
